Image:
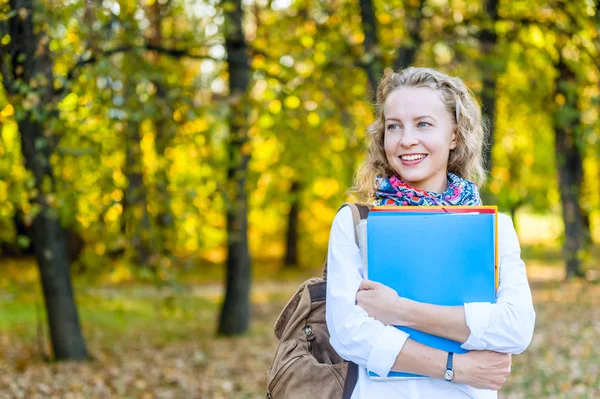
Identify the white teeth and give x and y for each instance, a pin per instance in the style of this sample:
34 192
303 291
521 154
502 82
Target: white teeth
412 157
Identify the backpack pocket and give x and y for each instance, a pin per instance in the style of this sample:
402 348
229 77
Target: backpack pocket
299 375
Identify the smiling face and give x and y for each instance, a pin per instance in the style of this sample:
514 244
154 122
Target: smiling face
419 134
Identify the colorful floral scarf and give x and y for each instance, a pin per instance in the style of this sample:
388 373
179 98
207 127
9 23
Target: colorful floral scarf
394 191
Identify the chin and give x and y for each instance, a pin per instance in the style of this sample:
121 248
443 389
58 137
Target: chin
412 177
414 182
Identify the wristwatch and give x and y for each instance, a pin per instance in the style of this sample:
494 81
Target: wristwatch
449 373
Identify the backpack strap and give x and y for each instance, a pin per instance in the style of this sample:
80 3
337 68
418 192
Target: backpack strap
351 380
359 212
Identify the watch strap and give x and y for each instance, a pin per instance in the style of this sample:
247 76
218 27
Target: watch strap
449 362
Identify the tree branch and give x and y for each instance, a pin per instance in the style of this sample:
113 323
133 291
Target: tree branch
175 53
526 22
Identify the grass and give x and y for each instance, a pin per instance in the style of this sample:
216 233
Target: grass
155 342
149 343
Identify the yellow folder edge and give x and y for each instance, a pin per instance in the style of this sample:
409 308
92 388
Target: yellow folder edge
475 207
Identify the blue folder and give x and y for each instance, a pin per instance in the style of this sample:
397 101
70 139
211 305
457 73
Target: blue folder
437 258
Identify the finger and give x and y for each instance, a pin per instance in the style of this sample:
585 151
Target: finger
367 284
360 299
360 296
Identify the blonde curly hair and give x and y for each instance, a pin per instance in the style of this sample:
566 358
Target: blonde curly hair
466 160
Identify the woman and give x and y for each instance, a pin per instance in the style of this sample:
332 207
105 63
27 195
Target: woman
426 149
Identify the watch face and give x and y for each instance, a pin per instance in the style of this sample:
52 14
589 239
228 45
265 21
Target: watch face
449 375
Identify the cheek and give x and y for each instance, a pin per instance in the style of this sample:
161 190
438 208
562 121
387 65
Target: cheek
389 145
440 146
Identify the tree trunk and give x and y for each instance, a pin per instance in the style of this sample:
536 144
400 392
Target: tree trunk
164 133
407 53
513 215
164 218
570 169
487 41
50 240
135 209
29 59
291 247
372 63
587 230
235 313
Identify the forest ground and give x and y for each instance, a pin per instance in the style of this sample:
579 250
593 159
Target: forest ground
159 342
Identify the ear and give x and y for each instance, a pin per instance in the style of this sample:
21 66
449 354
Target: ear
453 143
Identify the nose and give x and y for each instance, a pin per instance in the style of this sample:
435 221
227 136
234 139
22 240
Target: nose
409 138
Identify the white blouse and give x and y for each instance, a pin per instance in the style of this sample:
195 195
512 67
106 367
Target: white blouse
505 326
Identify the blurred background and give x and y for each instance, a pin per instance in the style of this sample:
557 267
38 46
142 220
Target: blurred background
169 170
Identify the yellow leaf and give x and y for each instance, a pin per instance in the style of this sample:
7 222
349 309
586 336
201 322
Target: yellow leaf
305 68
292 102
229 6
537 36
500 172
326 188
100 248
338 144
117 195
319 58
306 41
358 90
191 245
313 119
120 273
259 62
495 187
275 106
310 27
201 125
71 37
335 19
385 18
246 148
266 121
275 69
8 111
253 132
357 38
287 172
177 115
260 42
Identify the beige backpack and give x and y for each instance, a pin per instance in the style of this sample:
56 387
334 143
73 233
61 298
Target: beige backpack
305 365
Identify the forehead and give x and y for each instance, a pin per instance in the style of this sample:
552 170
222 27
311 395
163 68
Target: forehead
407 102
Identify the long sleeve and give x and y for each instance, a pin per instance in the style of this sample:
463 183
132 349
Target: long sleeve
506 326
353 334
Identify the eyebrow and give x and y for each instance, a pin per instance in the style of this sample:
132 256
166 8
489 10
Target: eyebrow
415 118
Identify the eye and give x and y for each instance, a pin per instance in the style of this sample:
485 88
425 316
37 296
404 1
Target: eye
393 126
423 124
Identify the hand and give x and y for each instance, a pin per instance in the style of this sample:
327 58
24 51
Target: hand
380 302
482 369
